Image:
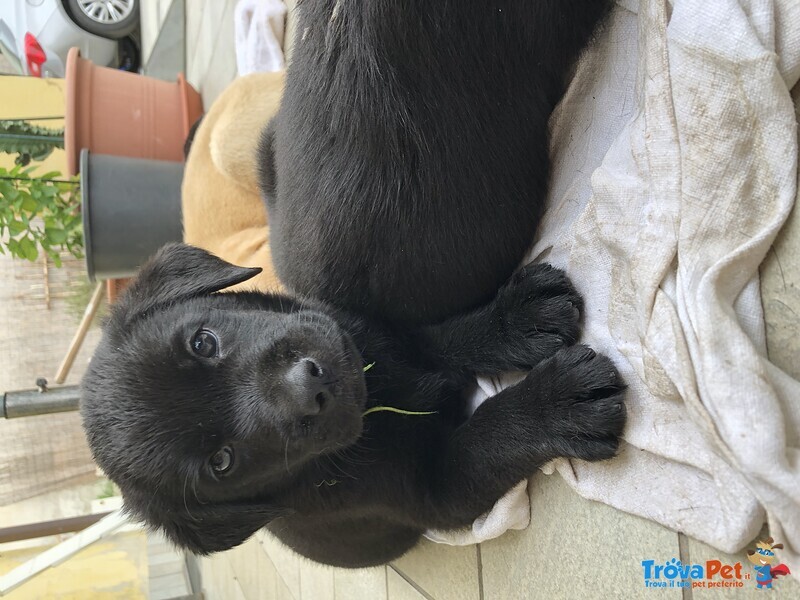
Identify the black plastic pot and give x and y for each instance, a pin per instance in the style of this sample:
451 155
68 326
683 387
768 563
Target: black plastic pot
131 207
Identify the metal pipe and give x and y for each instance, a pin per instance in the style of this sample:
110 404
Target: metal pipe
46 528
28 403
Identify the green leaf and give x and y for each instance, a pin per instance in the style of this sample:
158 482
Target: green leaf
16 227
56 236
29 204
13 247
29 249
8 191
65 187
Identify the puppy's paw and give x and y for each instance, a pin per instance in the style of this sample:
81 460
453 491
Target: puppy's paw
581 403
538 311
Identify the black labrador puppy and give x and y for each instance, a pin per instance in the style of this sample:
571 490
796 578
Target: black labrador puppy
404 176
221 413
406 170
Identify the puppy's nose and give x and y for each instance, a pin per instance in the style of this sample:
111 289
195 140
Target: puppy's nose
307 384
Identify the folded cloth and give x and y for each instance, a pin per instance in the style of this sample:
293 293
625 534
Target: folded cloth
675 166
258 27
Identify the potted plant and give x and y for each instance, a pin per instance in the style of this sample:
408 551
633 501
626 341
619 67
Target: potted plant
114 112
39 214
118 214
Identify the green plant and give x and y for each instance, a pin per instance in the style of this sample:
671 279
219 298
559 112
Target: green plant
39 213
106 489
28 141
78 298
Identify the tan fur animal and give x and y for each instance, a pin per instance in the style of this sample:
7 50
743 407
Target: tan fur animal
222 210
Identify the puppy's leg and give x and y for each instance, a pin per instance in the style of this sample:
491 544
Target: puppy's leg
535 314
570 405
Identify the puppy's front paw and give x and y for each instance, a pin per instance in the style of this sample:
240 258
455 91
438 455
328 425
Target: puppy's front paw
538 312
582 407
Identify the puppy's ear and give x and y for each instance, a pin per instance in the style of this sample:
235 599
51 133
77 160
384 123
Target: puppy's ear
212 527
179 271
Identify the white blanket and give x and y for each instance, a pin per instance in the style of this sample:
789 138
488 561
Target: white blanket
258 31
675 166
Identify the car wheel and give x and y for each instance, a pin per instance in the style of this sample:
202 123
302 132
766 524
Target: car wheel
107 18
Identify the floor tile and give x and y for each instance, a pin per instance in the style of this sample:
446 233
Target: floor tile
219 581
148 28
194 17
360 584
163 9
574 548
283 593
400 589
316 582
199 59
168 54
257 575
287 563
444 572
221 69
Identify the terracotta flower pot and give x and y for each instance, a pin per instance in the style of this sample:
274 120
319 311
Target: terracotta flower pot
125 114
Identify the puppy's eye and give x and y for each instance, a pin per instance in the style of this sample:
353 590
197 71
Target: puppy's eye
222 460
205 344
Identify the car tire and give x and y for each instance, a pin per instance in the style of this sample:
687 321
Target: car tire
105 25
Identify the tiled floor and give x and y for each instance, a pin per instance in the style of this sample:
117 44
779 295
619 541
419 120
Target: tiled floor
574 548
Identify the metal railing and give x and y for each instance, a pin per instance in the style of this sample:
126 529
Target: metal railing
40 401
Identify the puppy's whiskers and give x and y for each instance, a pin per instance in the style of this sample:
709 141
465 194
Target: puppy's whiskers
286 456
194 491
185 504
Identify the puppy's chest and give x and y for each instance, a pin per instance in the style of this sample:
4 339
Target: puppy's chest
364 484
371 491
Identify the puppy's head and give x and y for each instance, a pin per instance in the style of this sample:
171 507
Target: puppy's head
203 407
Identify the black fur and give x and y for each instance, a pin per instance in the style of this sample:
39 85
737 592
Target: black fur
406 170
404 176
337 487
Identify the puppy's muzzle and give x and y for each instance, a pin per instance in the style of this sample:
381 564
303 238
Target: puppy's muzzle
308 388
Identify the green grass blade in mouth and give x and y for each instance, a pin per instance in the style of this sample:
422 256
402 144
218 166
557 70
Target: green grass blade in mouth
397 410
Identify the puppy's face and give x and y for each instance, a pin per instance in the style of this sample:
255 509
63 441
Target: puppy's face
198 401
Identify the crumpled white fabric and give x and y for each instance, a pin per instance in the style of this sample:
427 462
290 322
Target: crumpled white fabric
675 165
258 34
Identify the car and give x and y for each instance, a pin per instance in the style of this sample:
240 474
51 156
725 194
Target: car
35 35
